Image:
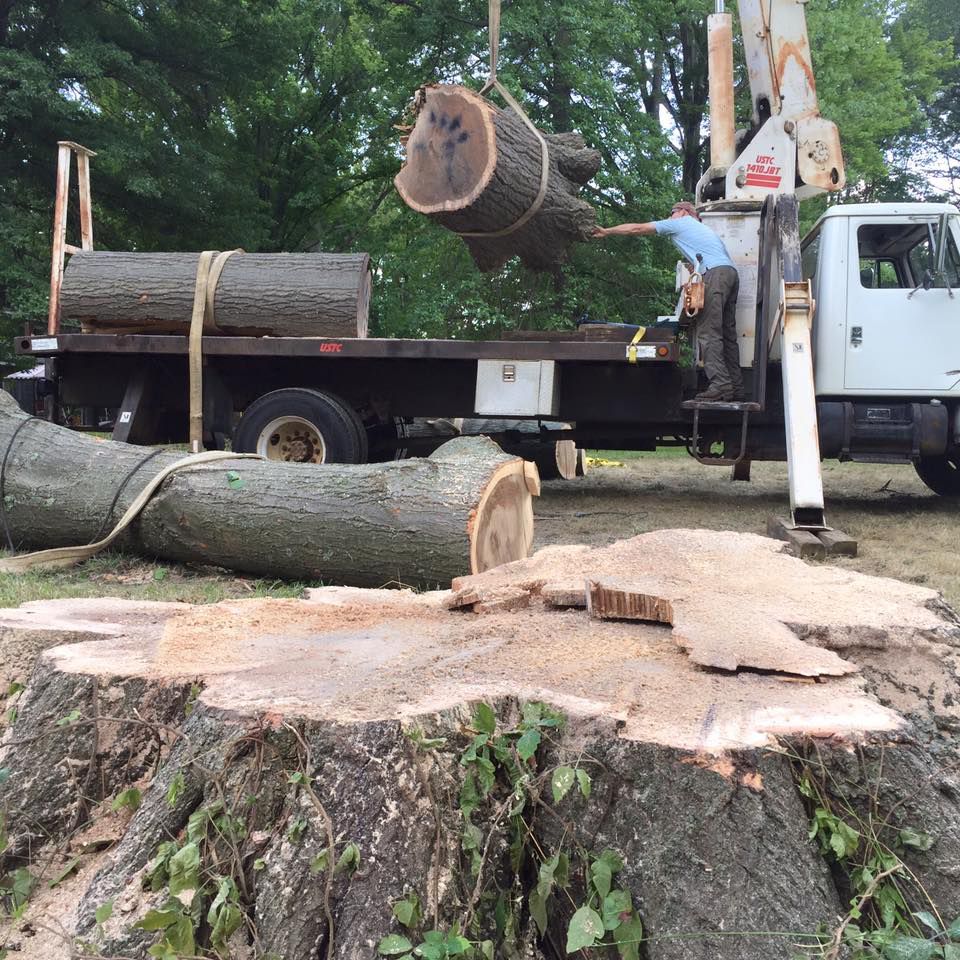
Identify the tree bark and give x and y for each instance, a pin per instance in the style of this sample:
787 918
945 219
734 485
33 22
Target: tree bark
472 167
275 294
467 507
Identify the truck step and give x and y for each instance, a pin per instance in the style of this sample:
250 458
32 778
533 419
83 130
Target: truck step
812 544
721 406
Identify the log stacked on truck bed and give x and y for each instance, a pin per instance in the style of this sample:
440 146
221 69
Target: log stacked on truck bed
472 167
258 294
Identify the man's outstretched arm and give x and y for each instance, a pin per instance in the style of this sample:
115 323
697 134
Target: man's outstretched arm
625 230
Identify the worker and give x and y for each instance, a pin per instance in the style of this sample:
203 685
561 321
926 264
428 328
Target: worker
718 320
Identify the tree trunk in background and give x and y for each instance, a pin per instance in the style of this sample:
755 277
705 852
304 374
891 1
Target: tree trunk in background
466 508
275 294
472 167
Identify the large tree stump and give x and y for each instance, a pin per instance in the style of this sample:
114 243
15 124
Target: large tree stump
472 167
275 294
466 508
262 732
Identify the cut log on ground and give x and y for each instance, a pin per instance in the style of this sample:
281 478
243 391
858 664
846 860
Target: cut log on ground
241 750
472 167
555 459
421 522
258 294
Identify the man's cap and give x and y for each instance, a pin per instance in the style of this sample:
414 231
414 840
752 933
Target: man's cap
687 207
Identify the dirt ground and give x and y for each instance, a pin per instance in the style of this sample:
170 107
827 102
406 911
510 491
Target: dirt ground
904 530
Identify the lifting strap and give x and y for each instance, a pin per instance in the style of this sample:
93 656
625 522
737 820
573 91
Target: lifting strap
209 267
632 345
494 84
68 556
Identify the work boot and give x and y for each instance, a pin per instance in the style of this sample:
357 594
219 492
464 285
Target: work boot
739 395
715 394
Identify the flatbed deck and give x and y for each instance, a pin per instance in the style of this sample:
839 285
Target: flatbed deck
329 348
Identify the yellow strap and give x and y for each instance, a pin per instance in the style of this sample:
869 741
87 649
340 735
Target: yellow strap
68 556
632 346
202 320
494 83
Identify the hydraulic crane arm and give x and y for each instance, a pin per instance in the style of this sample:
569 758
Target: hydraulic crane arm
789 147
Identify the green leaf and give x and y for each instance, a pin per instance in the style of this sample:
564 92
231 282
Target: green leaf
160 573
261 864
127 799
537 902
583 778
586 928
612 859
469 797
349 859
15 688
915 839
393 945
158 919
72 717
184 869
297 778
23 883
561 782
234 480
910 948
180 936
64 873
929 920
951 951
953 931
615 903
457 945
486 774
484 719
528 743
627 938
486 949
321 861
175 791
104 912
407 911
601 875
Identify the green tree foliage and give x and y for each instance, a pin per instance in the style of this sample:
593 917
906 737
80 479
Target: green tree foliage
270 124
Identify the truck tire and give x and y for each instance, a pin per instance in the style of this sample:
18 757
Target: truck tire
941 474
301 425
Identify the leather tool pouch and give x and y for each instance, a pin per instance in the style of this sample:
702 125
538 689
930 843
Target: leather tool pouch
693 295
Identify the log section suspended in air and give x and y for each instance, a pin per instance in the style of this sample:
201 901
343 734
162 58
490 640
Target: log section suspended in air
422 522
472 167
258 294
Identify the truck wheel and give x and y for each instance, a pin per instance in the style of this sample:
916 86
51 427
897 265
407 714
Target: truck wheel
300 425
941 474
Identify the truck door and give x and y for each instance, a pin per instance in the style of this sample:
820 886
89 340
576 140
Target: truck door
901 339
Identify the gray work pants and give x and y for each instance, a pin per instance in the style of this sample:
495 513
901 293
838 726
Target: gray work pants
718 328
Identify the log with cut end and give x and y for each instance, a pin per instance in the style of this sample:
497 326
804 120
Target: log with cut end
555 459
466 508
275 294
472 167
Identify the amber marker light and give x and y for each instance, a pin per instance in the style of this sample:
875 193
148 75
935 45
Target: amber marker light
663 351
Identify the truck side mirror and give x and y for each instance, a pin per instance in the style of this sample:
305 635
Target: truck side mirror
940 248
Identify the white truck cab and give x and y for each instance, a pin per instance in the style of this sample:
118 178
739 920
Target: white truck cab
887 317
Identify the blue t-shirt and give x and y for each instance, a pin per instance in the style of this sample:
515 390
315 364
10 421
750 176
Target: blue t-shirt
691 237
